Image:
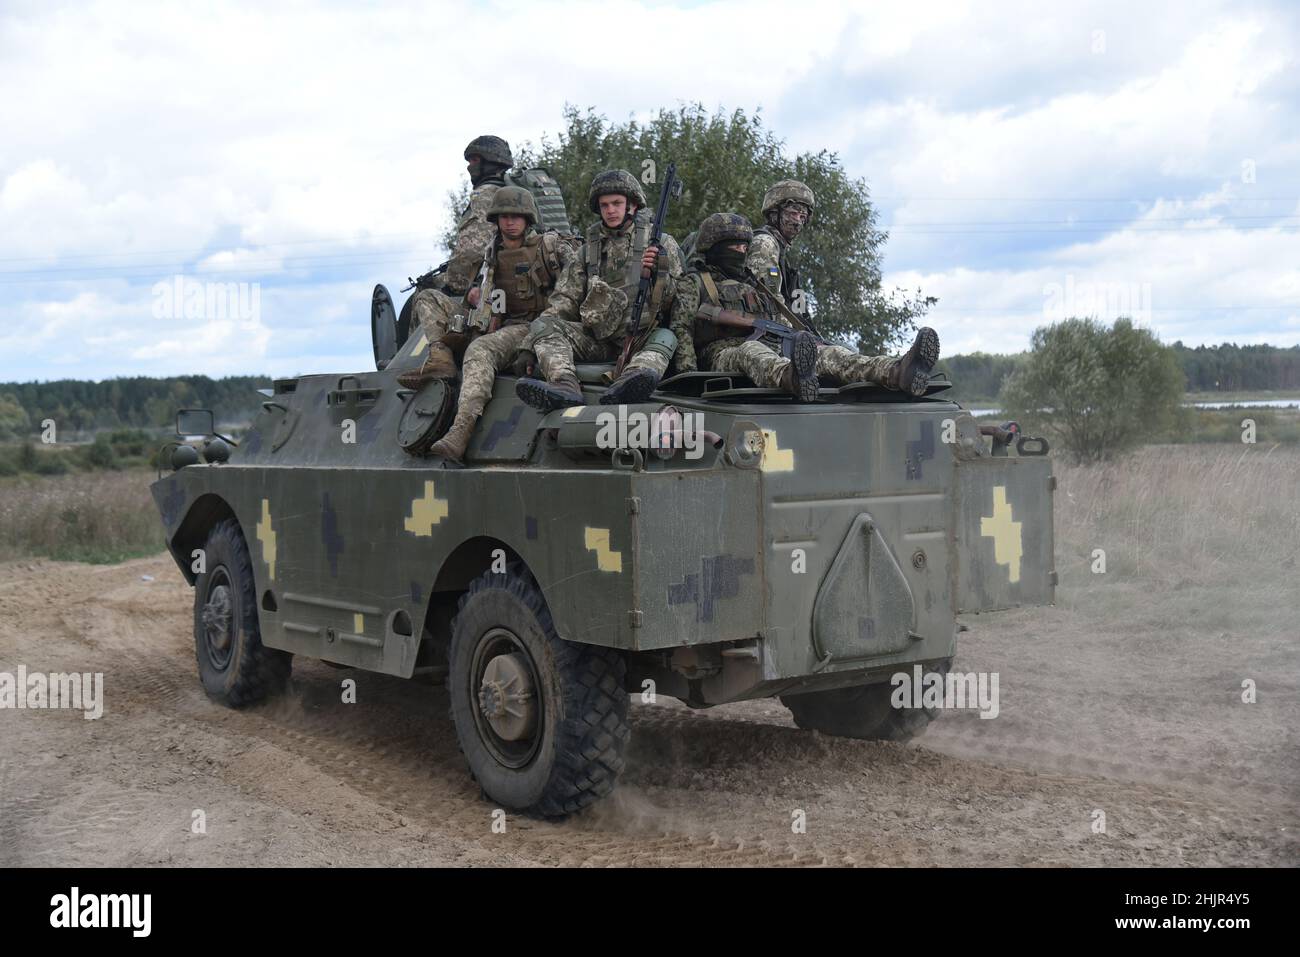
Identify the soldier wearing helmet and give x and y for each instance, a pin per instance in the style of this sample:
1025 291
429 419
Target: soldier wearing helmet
719 277
488 157
587 318
518 271
787 208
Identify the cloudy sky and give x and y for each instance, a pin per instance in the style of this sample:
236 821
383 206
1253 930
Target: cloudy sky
1029 161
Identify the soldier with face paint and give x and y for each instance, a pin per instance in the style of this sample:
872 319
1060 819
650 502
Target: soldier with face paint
787 208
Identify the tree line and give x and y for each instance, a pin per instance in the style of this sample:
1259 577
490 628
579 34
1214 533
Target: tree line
135 402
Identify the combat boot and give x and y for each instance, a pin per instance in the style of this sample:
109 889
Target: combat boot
455 440
800 376
634 385
564 391
439 364
911 371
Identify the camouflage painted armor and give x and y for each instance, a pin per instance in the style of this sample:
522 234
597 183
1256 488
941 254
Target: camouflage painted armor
589 309
725 349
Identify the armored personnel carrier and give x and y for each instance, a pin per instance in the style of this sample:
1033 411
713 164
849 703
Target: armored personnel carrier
793 550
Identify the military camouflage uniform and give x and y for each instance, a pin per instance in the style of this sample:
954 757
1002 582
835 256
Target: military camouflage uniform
728 350
586 320
527 291
771 262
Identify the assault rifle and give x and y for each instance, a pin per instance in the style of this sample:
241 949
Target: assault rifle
758 326
672 188
429 280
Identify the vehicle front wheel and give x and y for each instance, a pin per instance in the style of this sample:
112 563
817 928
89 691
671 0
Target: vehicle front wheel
542 721
234 666
864 711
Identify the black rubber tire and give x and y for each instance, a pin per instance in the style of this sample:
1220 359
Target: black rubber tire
583 726
248 672
861 712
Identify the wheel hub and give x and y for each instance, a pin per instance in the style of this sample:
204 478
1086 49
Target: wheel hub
217 618
506 697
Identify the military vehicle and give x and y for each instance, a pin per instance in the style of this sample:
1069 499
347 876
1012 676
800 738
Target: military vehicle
803 551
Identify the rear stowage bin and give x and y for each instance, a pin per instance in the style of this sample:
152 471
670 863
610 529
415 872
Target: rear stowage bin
1002 544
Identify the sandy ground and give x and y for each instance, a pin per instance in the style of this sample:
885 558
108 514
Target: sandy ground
1137 718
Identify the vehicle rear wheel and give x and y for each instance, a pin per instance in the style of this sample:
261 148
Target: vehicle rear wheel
234 666
861 712
542 721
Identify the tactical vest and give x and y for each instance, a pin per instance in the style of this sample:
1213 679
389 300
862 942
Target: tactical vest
787 261
526 275
734 295
595 254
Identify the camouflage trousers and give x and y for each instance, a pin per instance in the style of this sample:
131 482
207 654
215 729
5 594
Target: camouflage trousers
433 309
765 366
568 342
484 358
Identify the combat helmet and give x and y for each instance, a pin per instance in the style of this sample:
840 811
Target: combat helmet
493 149
618 181
722 228
513 200
785 191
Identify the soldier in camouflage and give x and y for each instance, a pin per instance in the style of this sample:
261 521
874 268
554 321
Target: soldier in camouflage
488 158
587 318
522 268
719 277
787 208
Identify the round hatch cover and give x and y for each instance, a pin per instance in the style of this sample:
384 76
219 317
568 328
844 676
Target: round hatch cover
427 415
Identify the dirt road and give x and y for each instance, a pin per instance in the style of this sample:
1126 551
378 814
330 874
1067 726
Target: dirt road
1144 723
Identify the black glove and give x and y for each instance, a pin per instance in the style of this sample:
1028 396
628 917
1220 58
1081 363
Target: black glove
525 361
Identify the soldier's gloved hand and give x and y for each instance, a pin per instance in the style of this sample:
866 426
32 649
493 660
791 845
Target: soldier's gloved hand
524 363
651 255
473 297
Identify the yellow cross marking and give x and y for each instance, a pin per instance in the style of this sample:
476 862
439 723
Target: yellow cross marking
597 540
573 410
266 535
359 624
1007 542
426 512
775 458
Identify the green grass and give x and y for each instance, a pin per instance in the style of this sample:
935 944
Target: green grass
101 518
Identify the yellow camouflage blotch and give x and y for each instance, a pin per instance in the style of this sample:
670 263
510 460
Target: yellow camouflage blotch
1008 544
427 510
597 540
266 535
775 458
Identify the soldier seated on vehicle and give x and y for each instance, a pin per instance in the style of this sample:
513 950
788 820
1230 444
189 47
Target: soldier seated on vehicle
592 304
437 310
522 266
718 278
787 208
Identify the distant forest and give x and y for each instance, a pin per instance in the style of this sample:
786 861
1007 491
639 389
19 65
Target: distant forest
148 403
1225 368
137 402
